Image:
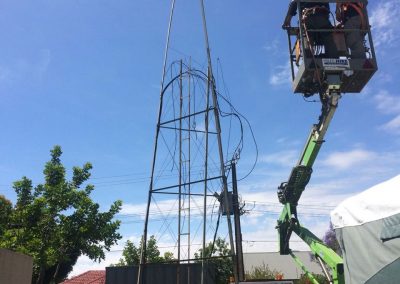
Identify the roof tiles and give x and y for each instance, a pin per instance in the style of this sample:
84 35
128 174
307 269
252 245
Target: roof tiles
89 277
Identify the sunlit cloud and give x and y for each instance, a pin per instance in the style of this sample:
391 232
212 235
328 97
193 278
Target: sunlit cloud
389 104
283 158
385 21
393 126
275 48
288 141
281 75
386 103
346 160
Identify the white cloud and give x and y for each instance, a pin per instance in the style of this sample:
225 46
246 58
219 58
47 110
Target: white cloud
288 141
168 207
346 160
384 77
84 263
284 158
265 238
275 48
393 126
387 103
133 208
272 45
281 75
385 22
329 193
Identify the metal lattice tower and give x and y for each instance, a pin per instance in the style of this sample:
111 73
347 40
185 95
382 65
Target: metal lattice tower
189 173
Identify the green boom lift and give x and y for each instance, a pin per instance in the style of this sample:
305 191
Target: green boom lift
329 78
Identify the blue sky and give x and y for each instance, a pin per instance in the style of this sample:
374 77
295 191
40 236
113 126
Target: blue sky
86 75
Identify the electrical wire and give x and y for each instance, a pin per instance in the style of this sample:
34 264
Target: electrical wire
201 75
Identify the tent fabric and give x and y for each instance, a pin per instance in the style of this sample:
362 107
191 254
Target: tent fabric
391 228
378 202
367 227
389 274
367 259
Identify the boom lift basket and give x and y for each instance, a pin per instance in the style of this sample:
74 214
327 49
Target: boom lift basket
310 65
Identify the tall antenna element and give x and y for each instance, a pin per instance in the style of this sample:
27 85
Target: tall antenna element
144 237
221 155
188 185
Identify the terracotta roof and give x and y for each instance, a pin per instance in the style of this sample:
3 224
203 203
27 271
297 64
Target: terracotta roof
89 277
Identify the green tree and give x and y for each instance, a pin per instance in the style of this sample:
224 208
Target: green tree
5 212
57 221
218 255
168 256
131 253
305 280
263 272
331 241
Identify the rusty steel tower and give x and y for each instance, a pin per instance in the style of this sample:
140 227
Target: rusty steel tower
189 185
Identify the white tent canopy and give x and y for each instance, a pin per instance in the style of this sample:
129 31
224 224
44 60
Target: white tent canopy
367 227
378 202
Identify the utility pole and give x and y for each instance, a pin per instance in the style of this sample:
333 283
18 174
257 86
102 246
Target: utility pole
238 229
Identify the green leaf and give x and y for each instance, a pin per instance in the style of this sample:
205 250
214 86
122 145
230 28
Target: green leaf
56 222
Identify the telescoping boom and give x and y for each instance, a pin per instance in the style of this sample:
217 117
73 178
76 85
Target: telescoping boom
329 56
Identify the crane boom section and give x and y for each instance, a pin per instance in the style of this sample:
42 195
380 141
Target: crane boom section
290 192
317 134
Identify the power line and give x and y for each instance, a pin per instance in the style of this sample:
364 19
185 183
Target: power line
276 205
245 241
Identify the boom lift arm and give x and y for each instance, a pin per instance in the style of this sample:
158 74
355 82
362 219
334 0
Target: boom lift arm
290 192
316 70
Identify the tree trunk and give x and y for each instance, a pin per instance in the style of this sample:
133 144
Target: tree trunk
56 273
40 278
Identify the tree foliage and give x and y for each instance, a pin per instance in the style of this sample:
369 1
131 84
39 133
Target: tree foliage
131 253
5 212
305 280
57 221
218 255
331 241
263 272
